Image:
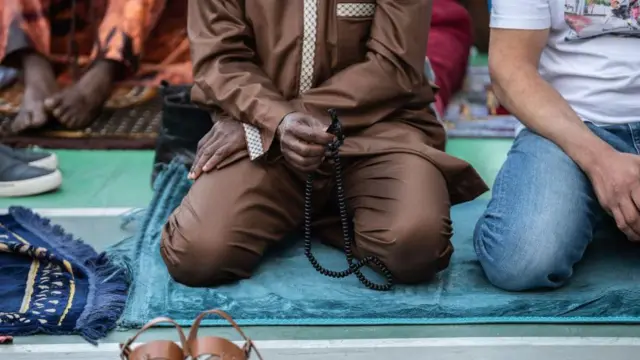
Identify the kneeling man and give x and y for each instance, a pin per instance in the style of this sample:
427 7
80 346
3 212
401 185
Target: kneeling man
574 81
275 68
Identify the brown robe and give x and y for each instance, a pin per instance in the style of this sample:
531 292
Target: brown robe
260 60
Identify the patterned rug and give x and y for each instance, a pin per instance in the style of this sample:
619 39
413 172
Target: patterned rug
286 290
54 284
130 120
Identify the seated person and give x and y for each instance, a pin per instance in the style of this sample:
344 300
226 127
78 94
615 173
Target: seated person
478 9
450 40
274 68
110 37
575 170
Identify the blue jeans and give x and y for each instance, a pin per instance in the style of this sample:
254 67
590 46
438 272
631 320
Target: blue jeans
544 212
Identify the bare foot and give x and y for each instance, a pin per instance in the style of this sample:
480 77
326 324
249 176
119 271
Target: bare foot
78 105
40 83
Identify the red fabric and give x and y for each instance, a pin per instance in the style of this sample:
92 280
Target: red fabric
450 39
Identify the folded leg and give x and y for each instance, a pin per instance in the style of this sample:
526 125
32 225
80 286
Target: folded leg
400 206
228 220
542 216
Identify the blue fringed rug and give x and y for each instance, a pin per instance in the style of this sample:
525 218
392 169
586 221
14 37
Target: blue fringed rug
53 283
287 291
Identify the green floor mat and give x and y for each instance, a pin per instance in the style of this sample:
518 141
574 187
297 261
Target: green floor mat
96 179
122 178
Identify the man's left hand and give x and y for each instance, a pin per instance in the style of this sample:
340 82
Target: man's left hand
225 138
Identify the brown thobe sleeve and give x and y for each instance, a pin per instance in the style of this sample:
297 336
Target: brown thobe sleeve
391 76
224 68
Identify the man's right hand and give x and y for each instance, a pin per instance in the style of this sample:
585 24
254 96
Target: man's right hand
616 181
225 138
303 141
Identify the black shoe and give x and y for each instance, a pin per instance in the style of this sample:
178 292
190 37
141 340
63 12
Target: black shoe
38 158
19 179
183 125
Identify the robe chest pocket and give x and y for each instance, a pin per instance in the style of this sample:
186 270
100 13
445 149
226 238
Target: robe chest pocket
354 21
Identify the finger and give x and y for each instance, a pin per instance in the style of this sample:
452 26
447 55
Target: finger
635 197
205 140
205 154
303 149
621 223
196 160
631 216
314 135
301 163
192 171
215 159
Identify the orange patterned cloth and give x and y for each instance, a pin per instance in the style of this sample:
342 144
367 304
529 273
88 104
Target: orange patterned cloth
147 36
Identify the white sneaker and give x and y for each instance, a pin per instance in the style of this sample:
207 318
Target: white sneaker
38 158
20 179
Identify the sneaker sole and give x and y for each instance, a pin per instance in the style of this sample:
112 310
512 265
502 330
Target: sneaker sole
30 187
49 163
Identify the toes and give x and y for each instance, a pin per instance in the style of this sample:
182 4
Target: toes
61 106
38 116
55 105
53 102
21 122
80 120
67 116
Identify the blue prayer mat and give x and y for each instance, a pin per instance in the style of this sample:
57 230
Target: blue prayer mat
52 283
286 290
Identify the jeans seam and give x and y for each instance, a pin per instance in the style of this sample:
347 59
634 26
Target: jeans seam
633 138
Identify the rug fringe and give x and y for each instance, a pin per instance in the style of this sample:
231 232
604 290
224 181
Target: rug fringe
108 280
132 216
170 187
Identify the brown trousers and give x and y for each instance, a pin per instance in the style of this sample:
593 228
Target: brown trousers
399 201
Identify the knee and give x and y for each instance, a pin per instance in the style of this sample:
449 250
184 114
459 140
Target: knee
199 258
521 259
416 248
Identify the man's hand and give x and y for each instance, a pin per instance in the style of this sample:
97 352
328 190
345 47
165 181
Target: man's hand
225 138
303 141
616 181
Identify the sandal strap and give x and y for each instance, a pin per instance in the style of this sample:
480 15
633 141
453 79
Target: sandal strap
216 346
160 349
193 334
126 346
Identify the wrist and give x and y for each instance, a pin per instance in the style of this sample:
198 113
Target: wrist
592 157
281 124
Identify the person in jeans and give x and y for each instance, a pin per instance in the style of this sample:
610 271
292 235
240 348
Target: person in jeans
574 82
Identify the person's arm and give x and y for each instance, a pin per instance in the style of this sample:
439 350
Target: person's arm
225 72
520 30
24 29
125 27
392 74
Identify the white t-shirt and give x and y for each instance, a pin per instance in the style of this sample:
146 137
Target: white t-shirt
593 54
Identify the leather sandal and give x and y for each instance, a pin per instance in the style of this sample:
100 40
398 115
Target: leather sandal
218 347
157 350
